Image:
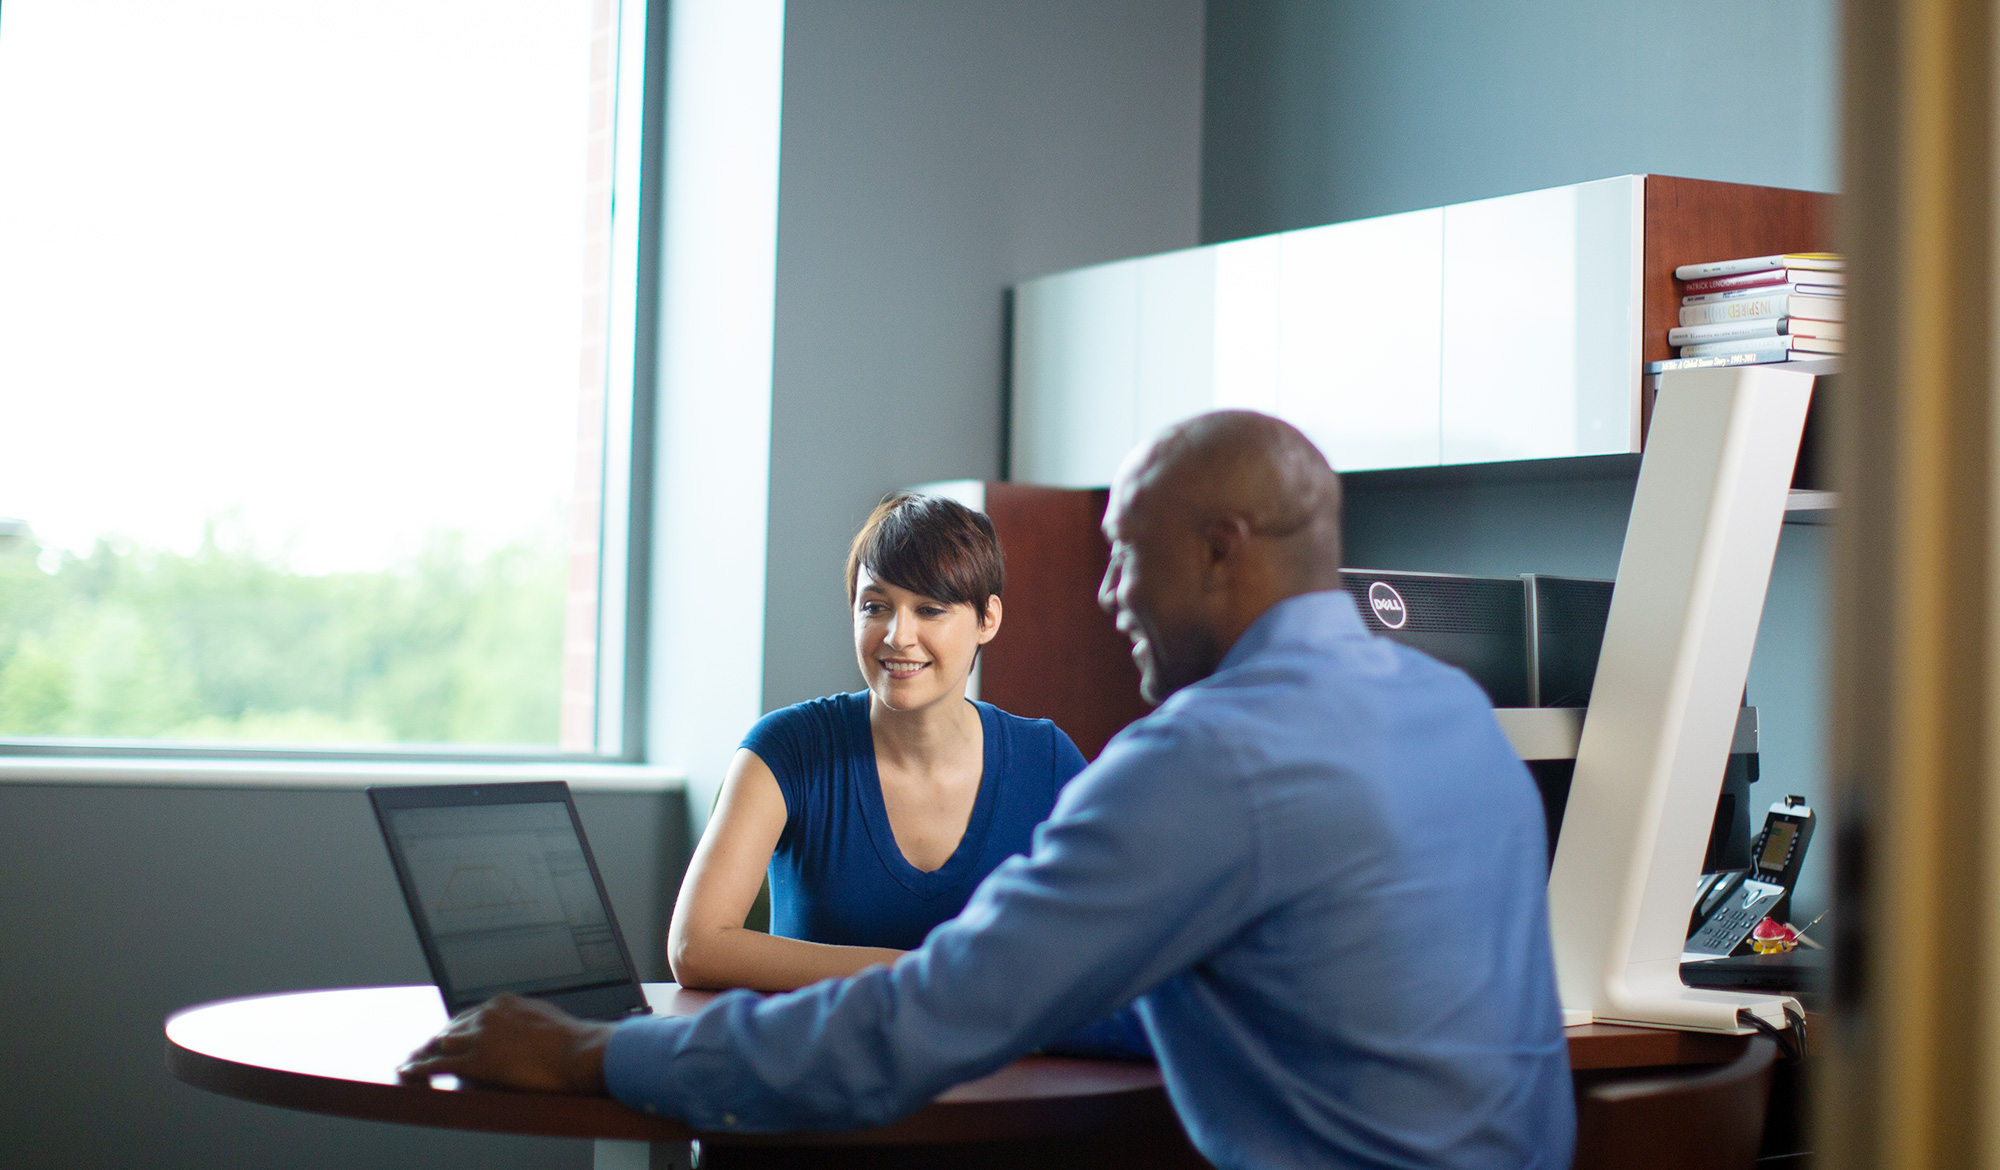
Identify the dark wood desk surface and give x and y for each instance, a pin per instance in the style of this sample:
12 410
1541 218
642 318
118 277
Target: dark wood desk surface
336 1052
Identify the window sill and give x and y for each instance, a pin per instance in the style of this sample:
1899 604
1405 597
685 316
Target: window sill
327 774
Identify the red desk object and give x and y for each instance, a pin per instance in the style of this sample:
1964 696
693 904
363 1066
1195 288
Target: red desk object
336 1052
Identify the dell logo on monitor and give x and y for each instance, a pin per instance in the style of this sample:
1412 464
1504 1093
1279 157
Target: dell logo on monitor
1388 605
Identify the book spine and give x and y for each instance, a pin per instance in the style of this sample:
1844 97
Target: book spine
1738 294
1751 308
1729 267
1762 280
1706 363
1820 261
1766 345
1818 345
1723 331
1746 280
1823 330
1820 308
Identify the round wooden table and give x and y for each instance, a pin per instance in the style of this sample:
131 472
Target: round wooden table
336 1052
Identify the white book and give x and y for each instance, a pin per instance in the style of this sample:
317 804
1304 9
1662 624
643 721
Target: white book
1724 331
1823 330
1740 309
1811 260
1748 345
1760 308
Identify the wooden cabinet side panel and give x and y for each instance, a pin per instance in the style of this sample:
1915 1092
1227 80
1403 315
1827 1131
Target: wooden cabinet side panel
1058 656
1693 221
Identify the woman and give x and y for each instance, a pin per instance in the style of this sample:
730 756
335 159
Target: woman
877 812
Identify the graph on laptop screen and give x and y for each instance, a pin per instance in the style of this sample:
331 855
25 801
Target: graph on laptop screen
508 896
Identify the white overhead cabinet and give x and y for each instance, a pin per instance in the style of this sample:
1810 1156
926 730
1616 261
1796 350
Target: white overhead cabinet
1502 329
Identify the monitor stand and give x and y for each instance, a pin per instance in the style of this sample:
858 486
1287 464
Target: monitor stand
1656 739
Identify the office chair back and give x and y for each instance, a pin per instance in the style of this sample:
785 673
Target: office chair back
1709 1119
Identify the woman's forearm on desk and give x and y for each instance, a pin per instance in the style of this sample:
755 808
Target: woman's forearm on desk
707 944
736 956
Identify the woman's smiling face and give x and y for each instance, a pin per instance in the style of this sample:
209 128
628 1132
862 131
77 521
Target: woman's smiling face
915 650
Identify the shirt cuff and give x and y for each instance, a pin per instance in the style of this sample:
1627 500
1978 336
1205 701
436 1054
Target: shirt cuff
636 1060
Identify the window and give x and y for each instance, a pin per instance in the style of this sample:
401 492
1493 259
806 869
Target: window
317 376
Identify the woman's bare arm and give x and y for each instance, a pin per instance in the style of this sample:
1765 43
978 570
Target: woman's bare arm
707 945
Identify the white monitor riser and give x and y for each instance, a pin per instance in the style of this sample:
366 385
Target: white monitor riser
1691 583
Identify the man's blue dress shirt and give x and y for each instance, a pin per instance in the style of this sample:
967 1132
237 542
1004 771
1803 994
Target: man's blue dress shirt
1321 873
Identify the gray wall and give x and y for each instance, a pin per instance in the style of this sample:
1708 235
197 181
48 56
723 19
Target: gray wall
119 905
1326 110
1318 111
932 155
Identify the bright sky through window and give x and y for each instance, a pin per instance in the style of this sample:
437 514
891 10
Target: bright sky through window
306 312
311 268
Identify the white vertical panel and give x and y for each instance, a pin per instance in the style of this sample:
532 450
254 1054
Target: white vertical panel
712 453
1076 373
1691 589
1610 263
1540 323
1359 353
1247 322
1176 339
1510 327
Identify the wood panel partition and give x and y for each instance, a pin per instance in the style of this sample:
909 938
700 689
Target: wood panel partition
1058 655
1694 221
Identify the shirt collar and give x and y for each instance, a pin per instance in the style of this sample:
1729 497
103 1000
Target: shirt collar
1305 617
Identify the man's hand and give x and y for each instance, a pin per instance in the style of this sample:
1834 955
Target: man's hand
516 1043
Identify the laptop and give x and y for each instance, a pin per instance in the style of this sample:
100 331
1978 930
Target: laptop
506 896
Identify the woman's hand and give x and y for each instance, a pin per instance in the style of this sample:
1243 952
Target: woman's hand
516 1043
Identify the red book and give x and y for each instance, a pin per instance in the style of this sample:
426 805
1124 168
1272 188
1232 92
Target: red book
1769 276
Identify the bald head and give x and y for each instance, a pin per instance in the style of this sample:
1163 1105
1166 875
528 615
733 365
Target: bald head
1241 464
1213 523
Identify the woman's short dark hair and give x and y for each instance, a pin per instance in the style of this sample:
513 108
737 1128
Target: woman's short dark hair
929 545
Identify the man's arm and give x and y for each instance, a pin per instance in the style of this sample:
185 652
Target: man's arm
1145 866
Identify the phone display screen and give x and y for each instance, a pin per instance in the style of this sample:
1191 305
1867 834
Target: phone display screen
1777 846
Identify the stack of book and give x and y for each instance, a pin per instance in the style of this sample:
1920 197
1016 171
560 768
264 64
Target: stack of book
1759 309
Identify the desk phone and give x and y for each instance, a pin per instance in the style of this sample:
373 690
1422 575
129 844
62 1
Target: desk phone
1729 907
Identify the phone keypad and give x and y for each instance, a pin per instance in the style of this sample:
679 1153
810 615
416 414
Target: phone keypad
1739 916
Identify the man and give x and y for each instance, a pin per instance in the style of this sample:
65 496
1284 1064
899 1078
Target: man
1317 868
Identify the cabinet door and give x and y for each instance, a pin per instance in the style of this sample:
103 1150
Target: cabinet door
1176 340
1358 348
1541 323
1075 377
1247 316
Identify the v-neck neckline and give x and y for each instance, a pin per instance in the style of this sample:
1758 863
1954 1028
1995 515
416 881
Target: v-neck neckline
875 812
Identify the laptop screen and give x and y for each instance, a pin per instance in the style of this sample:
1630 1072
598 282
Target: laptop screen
503 890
